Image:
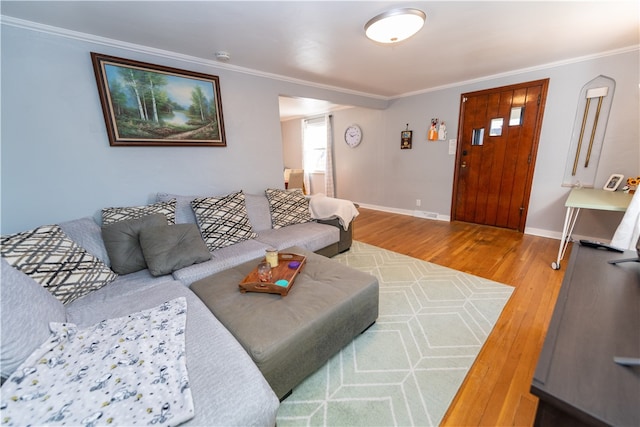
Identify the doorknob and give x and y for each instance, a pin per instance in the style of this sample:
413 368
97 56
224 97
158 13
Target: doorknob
463 165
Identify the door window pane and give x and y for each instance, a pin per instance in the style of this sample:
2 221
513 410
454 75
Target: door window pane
496 127
477 137
515 118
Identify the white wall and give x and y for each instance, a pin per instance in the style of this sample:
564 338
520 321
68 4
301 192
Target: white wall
57 163
292 143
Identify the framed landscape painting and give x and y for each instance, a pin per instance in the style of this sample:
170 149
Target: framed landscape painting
152 105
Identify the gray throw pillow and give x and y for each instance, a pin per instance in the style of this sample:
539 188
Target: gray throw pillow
184 212
172 247
26 309
87 233
123 245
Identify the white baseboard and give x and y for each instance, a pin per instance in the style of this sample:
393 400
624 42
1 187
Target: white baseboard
543 233
415 213
557 235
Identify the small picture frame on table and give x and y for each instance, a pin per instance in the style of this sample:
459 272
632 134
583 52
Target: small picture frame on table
613 182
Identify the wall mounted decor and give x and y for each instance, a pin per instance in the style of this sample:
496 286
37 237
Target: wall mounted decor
433 130
442 131
353 136
405 138
589 128
151 105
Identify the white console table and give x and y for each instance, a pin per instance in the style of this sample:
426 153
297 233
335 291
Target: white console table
588 198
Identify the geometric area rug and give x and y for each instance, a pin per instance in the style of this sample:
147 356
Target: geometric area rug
406 369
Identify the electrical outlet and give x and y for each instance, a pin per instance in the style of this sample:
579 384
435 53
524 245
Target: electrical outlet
418 202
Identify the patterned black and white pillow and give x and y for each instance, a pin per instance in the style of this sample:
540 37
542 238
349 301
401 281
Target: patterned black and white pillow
288 207
113 215
55 261
223 221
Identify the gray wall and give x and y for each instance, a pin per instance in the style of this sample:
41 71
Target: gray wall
56 160
57 163
379 174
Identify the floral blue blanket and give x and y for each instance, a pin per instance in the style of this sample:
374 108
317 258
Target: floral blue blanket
125 371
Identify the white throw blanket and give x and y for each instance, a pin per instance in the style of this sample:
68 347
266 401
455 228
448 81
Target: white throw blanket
628 231
125 371
323 207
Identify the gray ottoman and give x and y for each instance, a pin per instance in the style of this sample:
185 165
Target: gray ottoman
291 337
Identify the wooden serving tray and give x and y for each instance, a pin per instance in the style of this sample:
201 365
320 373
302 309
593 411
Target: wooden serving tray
251 283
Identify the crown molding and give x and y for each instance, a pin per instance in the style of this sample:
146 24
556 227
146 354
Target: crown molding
85 37
524 70
34 26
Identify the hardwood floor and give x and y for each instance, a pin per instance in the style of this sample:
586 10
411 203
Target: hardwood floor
496 390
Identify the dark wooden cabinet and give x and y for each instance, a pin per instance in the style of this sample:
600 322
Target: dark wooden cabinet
596 318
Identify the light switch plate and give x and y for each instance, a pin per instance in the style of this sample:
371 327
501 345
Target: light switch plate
452 146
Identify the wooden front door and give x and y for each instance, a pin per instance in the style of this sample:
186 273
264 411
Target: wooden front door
496 154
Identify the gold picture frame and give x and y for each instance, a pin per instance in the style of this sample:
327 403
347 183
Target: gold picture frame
152 105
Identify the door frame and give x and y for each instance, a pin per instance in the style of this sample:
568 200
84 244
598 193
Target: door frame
544 83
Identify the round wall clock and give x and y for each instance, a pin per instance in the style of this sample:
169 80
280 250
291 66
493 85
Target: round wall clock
353 136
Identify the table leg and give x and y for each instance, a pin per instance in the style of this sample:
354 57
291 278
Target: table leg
567 230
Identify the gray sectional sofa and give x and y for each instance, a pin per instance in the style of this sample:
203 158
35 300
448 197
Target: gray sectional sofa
226 386
325 238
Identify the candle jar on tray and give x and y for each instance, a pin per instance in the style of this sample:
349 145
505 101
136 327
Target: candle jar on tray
271 256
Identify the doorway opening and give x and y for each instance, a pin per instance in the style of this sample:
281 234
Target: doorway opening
295 113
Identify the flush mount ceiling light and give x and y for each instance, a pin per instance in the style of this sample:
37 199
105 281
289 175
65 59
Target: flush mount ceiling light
395 25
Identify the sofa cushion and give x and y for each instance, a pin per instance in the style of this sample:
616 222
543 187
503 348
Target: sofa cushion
257 207
128 286
26 310
288 207
258 211
222 259
171 247
48 256
132 363
221 373
87 233
122 240
184 211
223 221
111 215
310 236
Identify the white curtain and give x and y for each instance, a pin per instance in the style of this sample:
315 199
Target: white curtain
329 185
306 180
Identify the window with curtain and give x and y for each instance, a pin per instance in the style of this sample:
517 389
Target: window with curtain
314 141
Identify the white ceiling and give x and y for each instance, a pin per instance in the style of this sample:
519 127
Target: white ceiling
323 42
295 108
